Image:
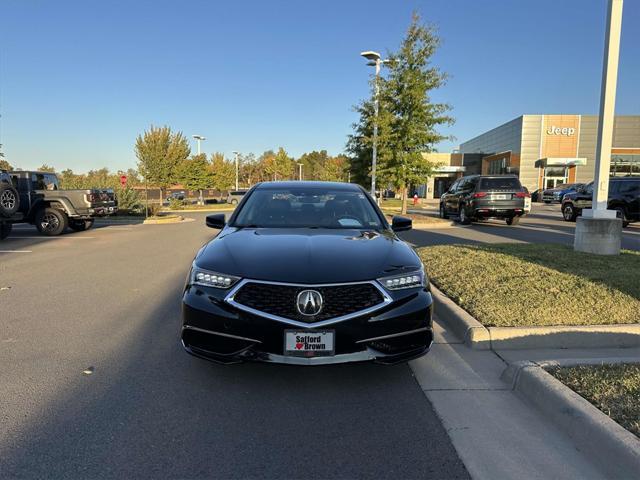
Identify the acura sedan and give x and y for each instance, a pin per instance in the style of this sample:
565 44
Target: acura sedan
307 273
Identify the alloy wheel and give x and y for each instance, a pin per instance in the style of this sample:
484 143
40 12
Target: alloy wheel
50 222
8 200
568 212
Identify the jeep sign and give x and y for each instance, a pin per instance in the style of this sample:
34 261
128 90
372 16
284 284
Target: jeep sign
568 131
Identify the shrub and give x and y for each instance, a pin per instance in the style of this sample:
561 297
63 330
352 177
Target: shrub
176 204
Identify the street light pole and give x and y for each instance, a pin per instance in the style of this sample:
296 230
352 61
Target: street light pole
374 61
607 112
236 154
299 171
198 139
598 230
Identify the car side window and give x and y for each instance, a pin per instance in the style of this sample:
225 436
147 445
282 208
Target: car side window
629 188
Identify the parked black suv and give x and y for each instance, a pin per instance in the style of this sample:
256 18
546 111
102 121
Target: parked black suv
478 197
624 197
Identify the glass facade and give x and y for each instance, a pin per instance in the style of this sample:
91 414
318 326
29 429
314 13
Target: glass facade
623 165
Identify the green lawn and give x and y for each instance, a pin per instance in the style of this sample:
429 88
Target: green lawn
614 389
525 284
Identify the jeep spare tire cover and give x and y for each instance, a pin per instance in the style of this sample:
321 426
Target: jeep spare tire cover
9 200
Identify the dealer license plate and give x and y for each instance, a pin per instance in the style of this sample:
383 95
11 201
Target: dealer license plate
501 197
308 343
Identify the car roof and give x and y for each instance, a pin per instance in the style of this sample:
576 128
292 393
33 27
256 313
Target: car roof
308 184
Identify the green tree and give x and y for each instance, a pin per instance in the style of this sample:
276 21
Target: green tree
360 143
334 169
159 152
70 180
46 168
223 173
279 166
413 117
195 174
4 164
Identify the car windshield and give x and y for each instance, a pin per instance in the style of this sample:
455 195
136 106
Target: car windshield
500 183
308 208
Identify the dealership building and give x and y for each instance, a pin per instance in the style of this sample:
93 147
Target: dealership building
543 150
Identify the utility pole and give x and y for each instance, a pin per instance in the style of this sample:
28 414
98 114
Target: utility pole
198 139
237 170
374 61
598 230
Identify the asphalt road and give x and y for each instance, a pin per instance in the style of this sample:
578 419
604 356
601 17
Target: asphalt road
543 225
108 301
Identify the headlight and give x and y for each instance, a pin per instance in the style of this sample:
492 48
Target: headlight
207 278
408 280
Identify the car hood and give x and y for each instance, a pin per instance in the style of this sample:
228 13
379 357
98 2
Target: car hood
304 255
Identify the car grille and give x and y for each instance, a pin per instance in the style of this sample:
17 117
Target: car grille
280 300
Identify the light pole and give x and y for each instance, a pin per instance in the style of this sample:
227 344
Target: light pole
299 170
374 61
198 138
236 154
598 230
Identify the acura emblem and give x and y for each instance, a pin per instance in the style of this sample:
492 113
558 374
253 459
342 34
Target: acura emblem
309 302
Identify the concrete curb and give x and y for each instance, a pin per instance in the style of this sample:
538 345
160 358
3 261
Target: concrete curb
178 219
472 332
477 336
602 439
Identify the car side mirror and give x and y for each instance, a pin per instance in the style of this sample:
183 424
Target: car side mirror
215 221
401 224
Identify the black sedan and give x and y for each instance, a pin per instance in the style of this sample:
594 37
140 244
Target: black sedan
307 273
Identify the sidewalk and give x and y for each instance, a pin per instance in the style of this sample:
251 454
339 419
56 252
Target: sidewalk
496 433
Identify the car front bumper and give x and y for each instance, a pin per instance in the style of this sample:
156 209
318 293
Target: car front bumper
214 330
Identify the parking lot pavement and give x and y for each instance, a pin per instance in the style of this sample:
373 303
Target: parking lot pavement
543 225
107 302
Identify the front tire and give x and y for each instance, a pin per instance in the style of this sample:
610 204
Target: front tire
80 225
620 213
9 200
5 230
462 216
443 212
569 213
51 221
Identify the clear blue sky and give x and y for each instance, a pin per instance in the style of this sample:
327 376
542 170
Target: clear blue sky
80 79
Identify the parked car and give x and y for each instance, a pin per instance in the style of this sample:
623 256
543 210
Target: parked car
624 198
235 196
9 204
52 210
478 197
536 195
307 273
176 196
554 195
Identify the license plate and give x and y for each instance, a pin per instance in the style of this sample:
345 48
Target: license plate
309 343
501 197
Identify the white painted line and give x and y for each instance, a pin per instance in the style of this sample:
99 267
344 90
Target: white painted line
16 251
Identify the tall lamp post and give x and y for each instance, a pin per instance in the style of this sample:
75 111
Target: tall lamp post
598 230
198 138
374 61
299 170
236 154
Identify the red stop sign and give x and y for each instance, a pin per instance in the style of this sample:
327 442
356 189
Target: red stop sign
123 180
